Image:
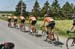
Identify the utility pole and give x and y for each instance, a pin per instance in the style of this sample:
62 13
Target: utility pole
21 7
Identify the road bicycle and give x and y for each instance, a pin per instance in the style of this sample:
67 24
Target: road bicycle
48 36
70 40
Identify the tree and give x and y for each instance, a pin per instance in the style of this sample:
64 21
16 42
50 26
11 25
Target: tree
36 9
67 9
20 9
73 8
55 8
44 10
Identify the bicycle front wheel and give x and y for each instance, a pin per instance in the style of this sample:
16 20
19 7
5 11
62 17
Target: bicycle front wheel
56 36
69 44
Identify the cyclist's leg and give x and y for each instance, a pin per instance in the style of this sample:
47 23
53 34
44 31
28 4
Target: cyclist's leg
9 22
15 22
47 32
24 24
33 26
72 26
21 24
46 29
52 24
30 26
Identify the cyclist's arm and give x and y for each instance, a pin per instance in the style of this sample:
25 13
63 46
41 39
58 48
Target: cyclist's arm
42 24
29 20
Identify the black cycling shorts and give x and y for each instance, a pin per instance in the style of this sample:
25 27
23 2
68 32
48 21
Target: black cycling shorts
74 24
10 45
15 20
9 20
51 24
22 21
33 22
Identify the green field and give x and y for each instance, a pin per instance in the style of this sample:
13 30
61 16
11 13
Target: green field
61 26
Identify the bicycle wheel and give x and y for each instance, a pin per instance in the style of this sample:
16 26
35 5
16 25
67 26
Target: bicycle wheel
69 43
56 36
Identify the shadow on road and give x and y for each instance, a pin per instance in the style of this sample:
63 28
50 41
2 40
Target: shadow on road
58 43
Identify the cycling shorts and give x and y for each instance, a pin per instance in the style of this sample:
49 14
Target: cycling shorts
51 24
15 20
23 20
33 22
9 20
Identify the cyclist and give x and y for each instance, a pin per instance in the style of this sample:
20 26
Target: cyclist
73 16
15 20
9 20
22 21
49 23
73 25
32 21
7 45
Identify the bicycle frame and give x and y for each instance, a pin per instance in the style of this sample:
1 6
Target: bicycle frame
53 34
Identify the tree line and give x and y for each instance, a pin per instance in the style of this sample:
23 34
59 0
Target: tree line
54 10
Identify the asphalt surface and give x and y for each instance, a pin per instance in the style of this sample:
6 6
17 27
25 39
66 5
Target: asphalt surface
23 40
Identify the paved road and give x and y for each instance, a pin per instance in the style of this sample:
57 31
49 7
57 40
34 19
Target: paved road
23 40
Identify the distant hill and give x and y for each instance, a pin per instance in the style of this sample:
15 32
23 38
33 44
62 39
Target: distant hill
7 11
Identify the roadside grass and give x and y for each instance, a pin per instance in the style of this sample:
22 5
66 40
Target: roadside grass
61 26
3 18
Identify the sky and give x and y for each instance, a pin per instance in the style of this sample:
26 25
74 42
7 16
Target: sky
10 5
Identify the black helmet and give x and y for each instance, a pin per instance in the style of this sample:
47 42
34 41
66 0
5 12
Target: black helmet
10 45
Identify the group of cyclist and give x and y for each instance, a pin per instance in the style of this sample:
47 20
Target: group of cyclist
48 22
32 21
14 20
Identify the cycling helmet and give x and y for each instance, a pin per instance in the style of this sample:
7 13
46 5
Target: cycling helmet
46 15
9 44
